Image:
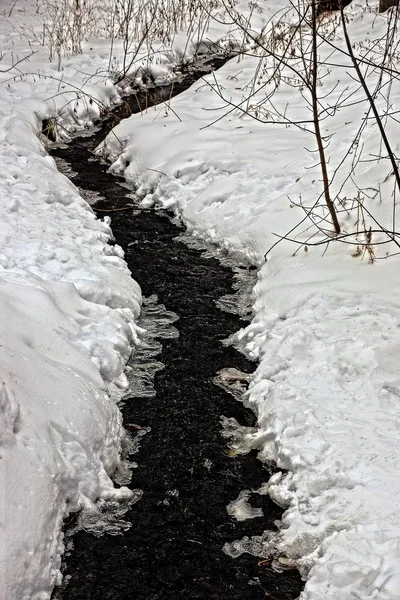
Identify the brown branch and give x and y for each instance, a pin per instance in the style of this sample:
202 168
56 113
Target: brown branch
369 98
314 97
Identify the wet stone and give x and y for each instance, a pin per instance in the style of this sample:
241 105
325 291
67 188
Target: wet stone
172 549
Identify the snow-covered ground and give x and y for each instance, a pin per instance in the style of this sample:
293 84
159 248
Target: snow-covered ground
326 321
325 329
68 302
68 307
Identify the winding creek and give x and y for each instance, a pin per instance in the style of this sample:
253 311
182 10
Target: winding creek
172 545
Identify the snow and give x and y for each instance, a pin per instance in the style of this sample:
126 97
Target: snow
69 306
69 303
325 323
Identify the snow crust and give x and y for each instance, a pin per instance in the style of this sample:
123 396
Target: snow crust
326 323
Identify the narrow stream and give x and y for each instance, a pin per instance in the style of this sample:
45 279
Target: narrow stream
172 548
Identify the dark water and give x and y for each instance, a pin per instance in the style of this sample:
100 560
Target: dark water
173 549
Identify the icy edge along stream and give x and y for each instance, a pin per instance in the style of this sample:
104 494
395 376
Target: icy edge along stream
244 275
240 439
106 516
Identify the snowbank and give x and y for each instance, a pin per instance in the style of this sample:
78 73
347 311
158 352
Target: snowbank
68 306
326 322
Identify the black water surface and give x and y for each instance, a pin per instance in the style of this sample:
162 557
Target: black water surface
173 550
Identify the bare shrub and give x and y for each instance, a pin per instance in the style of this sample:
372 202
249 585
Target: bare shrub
298 49
136 22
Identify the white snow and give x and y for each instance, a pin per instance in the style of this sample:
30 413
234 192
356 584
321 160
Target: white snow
325 329
68 306
68 301
326 324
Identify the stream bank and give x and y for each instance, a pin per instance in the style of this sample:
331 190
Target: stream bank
173 546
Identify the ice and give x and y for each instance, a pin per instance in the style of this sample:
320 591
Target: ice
242 439
106 516
245 545
155 323
241 508
233 381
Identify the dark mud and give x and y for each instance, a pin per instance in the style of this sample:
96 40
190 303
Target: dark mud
173 549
